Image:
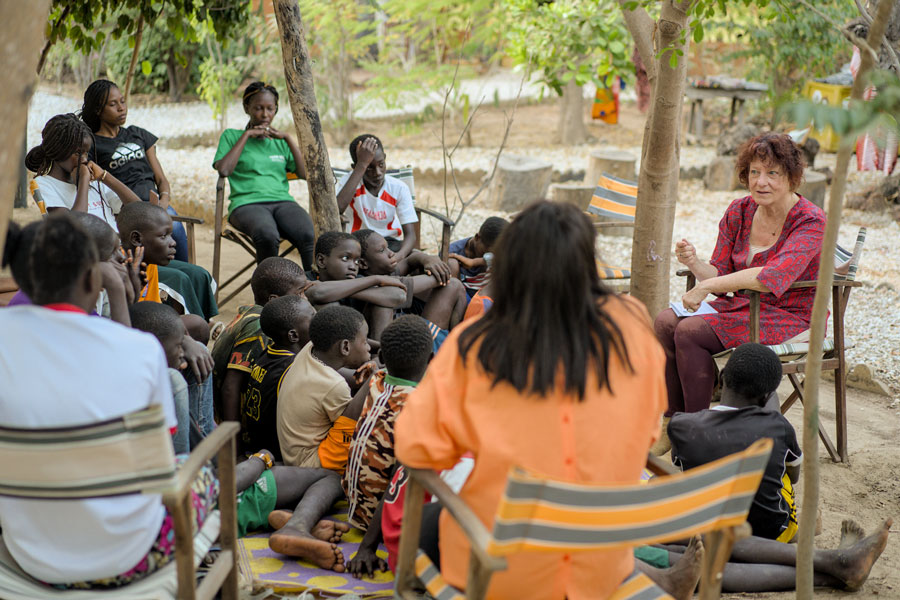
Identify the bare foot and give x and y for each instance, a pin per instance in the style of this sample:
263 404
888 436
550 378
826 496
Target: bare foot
325 530
852 565
294 542
685 574
330 531
851 533
279 518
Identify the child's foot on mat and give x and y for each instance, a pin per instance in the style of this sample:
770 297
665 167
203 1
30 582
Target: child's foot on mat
293 542
854 563
325 530
686 572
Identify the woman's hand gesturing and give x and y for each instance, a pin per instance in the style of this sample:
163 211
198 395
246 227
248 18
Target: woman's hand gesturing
685 252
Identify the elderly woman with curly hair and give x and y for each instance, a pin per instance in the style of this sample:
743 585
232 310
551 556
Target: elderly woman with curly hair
767 241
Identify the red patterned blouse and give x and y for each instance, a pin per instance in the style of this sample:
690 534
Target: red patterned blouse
794 257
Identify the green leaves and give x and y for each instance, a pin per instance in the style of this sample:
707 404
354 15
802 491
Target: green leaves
568 39
146 67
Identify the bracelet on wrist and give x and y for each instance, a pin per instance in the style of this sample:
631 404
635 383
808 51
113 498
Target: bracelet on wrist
102 177
267 460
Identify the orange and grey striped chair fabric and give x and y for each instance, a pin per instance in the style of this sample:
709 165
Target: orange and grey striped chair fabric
537 514
636 587
614 198
613 201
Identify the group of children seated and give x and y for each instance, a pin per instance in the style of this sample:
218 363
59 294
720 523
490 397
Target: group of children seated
318 368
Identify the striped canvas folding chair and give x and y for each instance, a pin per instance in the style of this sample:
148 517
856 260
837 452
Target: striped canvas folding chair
612 206
537 514
794 352
405 175
128 455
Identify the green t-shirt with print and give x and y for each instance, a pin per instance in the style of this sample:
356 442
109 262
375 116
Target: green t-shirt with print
261 172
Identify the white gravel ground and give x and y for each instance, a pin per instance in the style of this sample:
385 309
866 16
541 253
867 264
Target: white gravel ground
873 326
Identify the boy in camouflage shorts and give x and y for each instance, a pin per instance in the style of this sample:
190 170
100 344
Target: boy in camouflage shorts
406 348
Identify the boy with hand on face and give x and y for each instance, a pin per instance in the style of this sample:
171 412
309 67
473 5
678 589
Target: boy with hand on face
470 257
374 200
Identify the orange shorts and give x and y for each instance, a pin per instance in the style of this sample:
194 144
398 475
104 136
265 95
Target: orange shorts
334 450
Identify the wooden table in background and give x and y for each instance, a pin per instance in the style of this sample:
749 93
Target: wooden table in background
697 95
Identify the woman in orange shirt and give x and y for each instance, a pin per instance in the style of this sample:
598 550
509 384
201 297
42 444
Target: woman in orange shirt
561 377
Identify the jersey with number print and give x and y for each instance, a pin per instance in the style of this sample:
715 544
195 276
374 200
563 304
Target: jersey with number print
260 399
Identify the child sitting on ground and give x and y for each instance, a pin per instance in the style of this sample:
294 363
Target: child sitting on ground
162 321
147 226
374 200
752 373
285 321
337 264
315 415
263 487
470 257
439 298
189 286
67 180
406 347
274 277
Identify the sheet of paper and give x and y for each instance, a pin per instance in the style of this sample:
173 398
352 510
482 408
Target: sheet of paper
681 311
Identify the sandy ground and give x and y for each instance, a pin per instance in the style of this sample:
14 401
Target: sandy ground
868 489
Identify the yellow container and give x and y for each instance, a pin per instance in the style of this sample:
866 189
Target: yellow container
833 95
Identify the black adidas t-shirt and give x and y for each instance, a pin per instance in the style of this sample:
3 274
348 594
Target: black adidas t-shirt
702 437
125 156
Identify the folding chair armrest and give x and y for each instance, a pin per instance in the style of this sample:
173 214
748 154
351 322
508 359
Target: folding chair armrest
222 435
436 215
186 219
683 272
470 524
220 183
606 224
660 467
691 278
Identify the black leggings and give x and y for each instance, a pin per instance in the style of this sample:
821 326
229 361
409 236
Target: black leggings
268 222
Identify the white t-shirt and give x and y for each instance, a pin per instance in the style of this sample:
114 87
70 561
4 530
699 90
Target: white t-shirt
102 201
384 213
66 368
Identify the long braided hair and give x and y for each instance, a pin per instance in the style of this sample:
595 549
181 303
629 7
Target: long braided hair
61 137
95 97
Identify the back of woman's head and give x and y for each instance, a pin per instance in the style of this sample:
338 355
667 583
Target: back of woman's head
62 136
255 88
545 315
61 254
95 97
17 252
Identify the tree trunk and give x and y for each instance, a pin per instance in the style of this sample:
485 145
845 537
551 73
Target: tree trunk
302 95
22 35
658 178
134 55
571 128
810 502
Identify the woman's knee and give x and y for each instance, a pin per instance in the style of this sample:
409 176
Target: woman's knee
665 324
690 332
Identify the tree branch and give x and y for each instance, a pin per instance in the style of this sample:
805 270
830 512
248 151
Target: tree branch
46 48
641 26
855 39
862 10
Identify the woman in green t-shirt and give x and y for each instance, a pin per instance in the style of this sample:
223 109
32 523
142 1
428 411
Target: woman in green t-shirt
256 162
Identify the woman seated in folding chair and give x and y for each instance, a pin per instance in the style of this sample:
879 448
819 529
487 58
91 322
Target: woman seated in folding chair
561 376
256 162
767 241
62 368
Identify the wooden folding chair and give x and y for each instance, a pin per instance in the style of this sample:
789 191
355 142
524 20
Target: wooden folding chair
794 354
406 176
612 206
188 222
127 455
537 514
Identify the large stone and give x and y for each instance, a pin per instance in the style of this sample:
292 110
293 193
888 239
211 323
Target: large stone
519 181
618 164
732 139
813 187
720 175
572 192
